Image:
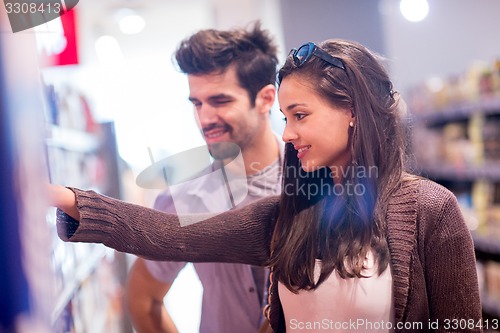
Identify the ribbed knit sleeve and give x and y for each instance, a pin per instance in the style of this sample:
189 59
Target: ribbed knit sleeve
238 236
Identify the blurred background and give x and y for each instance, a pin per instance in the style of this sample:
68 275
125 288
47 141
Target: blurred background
93 98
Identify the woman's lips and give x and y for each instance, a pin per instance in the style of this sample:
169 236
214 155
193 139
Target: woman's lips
302 150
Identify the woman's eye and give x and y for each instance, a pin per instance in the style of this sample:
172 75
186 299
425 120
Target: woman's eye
299 116
284 119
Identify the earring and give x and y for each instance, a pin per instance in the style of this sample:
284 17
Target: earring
351 124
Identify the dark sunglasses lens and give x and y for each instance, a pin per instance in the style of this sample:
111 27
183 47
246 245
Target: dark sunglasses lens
278 78
303 54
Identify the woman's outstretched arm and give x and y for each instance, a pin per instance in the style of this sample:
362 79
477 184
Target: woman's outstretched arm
238 236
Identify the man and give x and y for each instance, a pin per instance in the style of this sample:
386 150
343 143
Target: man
231 77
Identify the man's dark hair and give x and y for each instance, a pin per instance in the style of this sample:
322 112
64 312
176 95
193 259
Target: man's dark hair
252 52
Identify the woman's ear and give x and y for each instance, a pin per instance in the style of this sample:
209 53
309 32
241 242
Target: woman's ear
352 122
265 98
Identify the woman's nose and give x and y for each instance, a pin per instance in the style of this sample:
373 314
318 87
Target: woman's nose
288 134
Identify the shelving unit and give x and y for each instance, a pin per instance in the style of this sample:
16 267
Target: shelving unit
72 285
88 284
456 142
465 110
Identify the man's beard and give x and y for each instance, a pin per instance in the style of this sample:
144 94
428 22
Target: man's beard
224 150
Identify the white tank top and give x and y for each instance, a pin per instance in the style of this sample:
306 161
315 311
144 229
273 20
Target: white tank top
341 305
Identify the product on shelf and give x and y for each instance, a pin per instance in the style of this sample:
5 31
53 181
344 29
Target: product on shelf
480 82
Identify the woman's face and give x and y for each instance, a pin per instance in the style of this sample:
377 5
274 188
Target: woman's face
318 130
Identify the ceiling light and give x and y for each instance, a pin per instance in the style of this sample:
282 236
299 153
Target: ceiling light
108 50
414 10
129 21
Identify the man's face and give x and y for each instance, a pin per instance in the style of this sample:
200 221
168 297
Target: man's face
224 113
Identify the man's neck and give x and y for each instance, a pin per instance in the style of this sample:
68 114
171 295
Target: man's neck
261 153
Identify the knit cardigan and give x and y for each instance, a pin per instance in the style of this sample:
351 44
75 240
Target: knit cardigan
431 250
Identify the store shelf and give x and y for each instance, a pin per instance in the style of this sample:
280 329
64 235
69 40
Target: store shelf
462 111
72 140
490 171
487 243
82 273
99 323
491 306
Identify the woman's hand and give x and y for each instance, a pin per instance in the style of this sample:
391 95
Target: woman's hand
64 199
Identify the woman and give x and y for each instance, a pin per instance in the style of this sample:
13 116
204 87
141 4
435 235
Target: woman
354 243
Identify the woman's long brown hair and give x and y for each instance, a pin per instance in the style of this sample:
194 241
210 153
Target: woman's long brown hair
340 223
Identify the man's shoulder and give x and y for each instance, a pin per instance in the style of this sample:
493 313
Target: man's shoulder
181 192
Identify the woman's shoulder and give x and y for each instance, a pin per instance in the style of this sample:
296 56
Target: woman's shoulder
421 196
435 205
428 192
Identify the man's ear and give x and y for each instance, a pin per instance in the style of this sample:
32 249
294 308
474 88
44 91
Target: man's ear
265 98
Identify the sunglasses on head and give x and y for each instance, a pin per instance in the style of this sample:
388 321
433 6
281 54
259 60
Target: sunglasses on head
306 51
